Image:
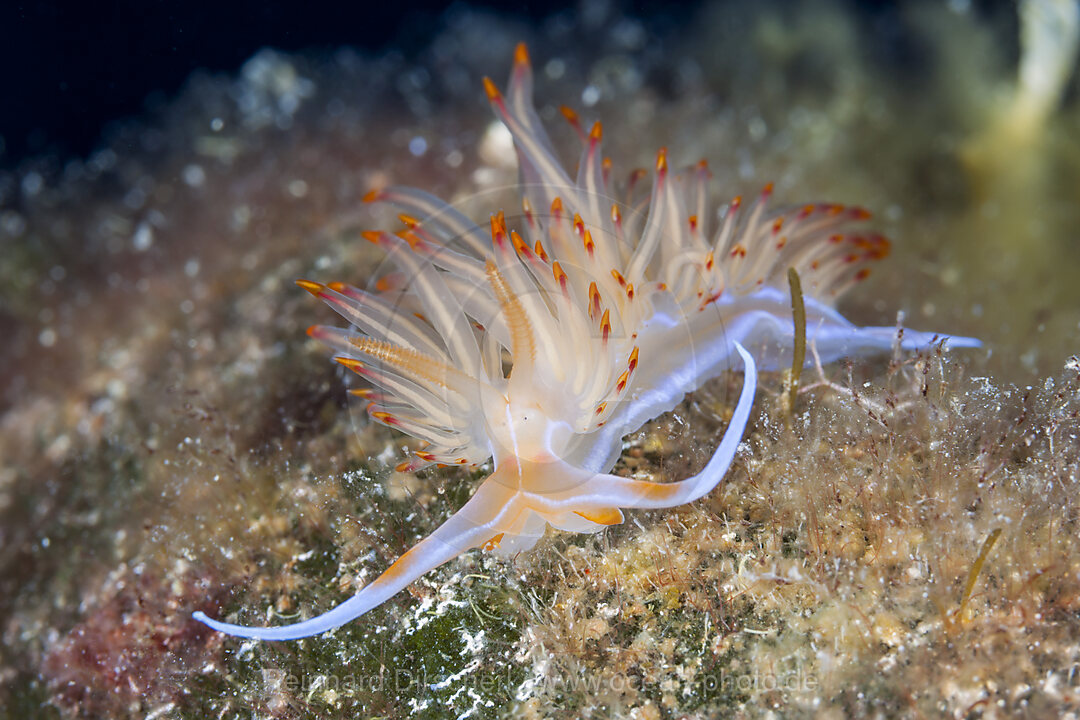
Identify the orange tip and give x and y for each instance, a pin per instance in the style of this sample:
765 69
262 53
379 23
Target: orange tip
351 364
602 516
597 132
371 196
409 236
587 241
498 230
348 361
521 54
312 287
371 235
560 275
661 161
492 91
519 244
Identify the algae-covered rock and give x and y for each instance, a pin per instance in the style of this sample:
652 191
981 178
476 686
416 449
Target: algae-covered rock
171 441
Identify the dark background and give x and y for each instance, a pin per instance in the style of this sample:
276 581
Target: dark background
70 68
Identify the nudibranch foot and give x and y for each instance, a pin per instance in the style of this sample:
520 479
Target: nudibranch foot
509 511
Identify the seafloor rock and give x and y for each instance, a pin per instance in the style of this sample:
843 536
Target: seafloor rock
171 442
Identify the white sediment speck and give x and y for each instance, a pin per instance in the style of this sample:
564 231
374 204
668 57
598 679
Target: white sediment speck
194 175
497 146
143 237
32 183
418 146
555 68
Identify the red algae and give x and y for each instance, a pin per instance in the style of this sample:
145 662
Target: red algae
130 653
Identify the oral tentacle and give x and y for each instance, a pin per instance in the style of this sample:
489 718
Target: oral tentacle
600 491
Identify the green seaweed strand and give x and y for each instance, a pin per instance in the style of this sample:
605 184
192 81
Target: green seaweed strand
798 313
973 574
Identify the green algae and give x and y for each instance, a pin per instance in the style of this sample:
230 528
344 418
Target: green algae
30 698
450 659
416 656
798 356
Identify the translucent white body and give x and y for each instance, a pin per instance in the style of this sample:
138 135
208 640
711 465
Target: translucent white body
540 351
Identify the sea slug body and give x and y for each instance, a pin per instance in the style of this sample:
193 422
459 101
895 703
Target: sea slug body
540 346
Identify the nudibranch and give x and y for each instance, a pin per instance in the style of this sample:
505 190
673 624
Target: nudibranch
540 346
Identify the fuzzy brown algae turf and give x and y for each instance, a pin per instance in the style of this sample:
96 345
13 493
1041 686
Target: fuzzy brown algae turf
168 446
